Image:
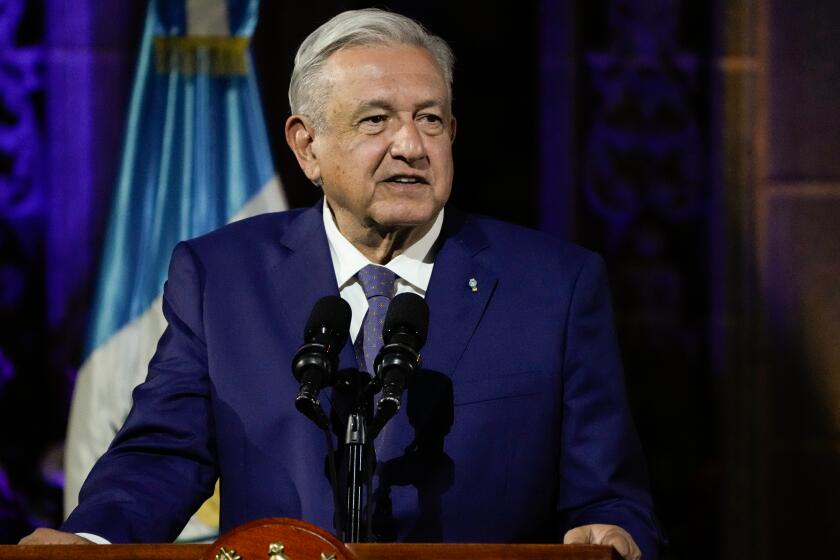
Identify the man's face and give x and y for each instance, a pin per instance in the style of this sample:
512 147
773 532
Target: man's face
384 156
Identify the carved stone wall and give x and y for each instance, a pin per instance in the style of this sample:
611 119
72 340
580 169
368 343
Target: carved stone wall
643 199
65 69
24 379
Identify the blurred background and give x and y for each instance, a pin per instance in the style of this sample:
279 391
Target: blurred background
694 144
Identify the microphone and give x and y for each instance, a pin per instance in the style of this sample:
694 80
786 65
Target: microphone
404 333
315 363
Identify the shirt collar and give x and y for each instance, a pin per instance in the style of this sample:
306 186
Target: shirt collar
413 265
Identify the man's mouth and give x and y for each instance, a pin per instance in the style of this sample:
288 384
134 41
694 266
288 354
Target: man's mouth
407 180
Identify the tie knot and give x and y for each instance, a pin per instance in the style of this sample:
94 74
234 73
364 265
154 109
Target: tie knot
376 281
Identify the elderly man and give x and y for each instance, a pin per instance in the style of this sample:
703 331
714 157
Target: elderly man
517 428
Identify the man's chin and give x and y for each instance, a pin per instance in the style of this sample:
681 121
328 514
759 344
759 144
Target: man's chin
403 221
404 216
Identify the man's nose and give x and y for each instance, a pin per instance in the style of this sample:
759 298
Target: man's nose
407 143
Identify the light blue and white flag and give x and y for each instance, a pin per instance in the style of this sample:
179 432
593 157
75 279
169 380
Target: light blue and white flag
196 156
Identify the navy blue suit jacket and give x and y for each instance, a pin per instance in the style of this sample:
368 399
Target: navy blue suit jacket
516 429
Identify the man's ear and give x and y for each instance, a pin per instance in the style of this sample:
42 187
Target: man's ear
453 126
300 135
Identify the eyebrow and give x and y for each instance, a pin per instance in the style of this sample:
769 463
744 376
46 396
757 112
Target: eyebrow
386 106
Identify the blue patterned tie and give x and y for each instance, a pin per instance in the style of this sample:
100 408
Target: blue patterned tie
378 284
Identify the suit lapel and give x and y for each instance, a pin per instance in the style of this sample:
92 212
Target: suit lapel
455 308
306 275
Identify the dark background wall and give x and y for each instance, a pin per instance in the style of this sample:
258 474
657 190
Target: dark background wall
691 143
798 207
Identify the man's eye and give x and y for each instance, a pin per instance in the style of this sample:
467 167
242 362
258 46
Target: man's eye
374 119
431 118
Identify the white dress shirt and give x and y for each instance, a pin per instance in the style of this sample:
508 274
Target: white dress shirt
95 539
413 267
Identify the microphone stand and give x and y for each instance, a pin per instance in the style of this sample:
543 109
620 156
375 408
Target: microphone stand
359 437
359 459
356 446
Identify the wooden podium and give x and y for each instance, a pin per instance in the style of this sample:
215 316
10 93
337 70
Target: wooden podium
289 539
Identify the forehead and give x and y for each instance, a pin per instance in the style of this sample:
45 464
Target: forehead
397 72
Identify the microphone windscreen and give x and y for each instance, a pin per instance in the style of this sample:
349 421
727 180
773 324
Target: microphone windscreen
332 313
407 312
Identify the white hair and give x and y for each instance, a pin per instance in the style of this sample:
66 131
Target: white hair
356 28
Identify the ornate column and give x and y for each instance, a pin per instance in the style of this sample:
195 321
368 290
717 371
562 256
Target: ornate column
737 136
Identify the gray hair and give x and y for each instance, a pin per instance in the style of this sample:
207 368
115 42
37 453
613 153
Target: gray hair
356 28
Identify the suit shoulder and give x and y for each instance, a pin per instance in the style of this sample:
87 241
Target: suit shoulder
267 227
531 247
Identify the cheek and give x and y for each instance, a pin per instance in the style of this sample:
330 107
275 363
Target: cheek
341 169
350 174
366 156
442 162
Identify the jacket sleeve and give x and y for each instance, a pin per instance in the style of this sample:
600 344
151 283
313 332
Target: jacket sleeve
602 469
162 464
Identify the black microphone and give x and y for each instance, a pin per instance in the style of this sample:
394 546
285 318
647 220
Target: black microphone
404 333
315 363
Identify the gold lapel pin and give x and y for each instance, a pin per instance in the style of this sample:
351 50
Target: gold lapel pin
473 284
